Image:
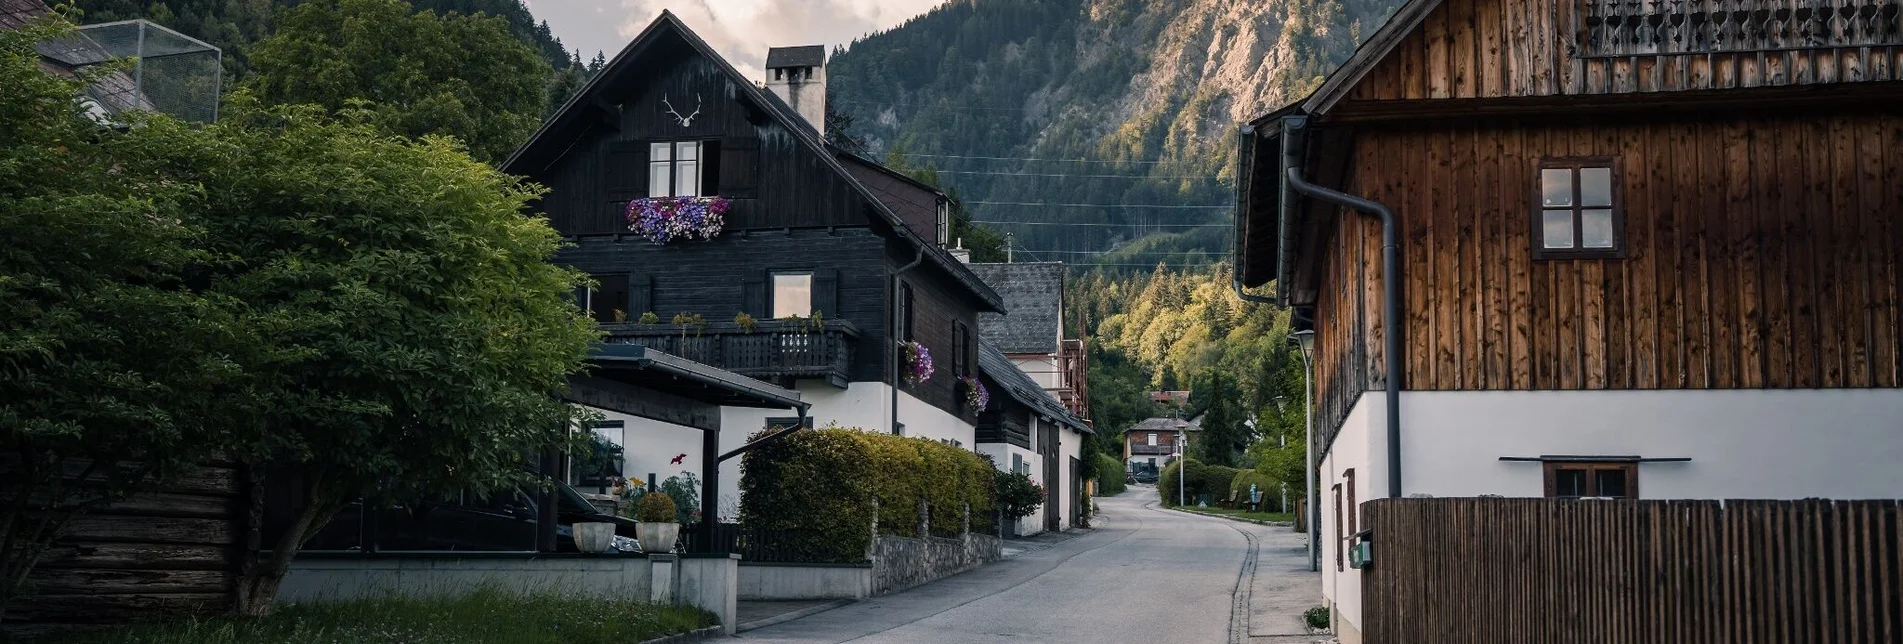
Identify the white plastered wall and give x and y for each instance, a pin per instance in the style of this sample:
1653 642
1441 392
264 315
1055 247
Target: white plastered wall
650 446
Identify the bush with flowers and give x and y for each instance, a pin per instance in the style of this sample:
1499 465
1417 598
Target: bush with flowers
1018 495
977 397
918 363
666 219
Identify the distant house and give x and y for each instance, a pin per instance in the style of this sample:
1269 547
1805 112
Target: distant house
1024 429
1645 251
825 268
1031 329
186 72
1151 443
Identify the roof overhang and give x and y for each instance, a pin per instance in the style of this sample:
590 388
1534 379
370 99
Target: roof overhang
640 366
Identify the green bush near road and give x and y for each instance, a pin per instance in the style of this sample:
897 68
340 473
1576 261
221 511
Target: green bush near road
1110 477
1198 478
479 618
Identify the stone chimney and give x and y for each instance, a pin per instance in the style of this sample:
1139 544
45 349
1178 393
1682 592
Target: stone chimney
798 76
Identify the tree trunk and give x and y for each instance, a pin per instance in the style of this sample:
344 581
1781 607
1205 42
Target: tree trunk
258 586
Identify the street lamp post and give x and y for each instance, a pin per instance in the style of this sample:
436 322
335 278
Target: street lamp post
1305 340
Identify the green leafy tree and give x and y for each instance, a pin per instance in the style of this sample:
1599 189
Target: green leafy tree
419 334
418 73
113 362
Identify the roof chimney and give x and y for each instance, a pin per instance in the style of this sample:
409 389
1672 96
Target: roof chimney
963 254
798 76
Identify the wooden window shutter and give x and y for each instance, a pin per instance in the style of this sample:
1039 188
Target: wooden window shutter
640 294
826 292
739 168
624 170
753 295
710 168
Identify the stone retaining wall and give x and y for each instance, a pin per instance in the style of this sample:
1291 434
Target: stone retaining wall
899 563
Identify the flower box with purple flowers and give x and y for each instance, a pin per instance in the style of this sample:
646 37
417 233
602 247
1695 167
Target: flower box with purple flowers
918 361
977 397
666 219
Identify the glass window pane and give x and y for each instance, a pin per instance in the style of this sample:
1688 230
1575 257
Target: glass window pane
792 295
660 179
686 178
1569 482
1556 229
1609 483
1556 186
686 151
660 152
1595 229
1595 187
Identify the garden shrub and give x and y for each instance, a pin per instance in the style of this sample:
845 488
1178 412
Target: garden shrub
1215 482
1198 478
1239 487
656 508
818 485
1110 476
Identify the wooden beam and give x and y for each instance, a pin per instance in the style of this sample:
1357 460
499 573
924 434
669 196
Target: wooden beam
602 393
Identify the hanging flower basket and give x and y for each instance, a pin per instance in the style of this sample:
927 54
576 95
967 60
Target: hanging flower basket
665 219
918 362
976 396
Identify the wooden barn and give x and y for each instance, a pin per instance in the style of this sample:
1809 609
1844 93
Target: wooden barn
1643 250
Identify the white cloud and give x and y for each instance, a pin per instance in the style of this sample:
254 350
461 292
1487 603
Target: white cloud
741 30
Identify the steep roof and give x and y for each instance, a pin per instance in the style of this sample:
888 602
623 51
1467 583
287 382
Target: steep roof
572 121
806 56
1020 387
1033 303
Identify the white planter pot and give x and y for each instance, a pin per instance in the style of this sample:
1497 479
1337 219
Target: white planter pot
594 537
657 537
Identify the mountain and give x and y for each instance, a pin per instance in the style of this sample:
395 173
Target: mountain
1123 111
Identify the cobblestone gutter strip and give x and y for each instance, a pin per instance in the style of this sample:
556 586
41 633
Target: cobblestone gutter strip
1279 524
708 634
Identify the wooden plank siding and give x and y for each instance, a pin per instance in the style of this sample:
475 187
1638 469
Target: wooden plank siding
941 305
1617 571
1541 48
1759 253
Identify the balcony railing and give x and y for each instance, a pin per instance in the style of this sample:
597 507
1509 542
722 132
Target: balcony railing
1668 27
772 349
1148 450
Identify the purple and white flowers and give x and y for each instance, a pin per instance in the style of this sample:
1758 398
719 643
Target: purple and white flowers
665 219
976 396
919 360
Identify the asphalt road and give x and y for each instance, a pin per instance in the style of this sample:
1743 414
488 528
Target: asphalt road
1144 576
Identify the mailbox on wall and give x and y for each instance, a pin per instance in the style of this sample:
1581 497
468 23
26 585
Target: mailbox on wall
1361 550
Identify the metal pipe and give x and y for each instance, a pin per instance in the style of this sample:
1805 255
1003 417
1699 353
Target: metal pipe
898 291
1390 290
1311 497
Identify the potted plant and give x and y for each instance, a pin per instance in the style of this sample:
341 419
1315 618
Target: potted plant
655 525
594 536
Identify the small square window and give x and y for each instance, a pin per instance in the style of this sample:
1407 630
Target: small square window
1572 480
792 295
1577 216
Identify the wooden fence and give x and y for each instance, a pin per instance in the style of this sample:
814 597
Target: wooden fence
1610 572
163 555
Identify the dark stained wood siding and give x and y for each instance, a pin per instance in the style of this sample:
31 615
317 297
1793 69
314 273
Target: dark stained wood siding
591 183
916 206
708 278
1760 253
1505 48
939 302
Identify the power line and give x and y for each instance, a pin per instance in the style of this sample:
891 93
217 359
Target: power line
1084 176
1059 223
957 156
1097 205
1157 253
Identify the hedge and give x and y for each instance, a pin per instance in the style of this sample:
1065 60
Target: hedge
817 487
1212 480
1239 488
1110 476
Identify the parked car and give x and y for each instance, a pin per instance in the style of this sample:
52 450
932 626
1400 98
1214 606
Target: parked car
504 521
1144 475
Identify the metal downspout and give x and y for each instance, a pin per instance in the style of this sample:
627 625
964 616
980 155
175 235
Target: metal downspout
1390 286
898 289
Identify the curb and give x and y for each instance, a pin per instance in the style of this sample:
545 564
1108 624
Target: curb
697 635
1278 524
787 617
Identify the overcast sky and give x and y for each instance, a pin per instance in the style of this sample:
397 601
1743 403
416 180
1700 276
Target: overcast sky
741 30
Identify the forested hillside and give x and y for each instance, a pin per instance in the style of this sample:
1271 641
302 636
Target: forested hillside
1128 104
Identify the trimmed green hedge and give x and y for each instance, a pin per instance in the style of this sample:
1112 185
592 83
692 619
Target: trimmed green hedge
1110 476
817 486
1212 480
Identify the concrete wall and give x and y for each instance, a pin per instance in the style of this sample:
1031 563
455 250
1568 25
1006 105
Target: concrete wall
805 581
650 446
711 583
1743 444
321 579
904 562
1042 368
1001 454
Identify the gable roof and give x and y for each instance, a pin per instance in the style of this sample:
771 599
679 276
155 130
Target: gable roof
572 122
1020 387
806 56
1033 301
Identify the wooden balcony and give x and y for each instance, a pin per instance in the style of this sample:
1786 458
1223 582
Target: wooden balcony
774 350
1151 450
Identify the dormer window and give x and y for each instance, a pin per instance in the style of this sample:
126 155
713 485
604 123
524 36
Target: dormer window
674 169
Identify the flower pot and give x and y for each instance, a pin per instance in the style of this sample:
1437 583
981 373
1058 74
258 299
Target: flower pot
657 537
594 537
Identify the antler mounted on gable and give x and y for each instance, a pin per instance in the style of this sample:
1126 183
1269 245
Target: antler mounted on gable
685 121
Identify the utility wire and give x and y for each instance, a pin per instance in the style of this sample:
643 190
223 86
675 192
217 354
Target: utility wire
1097 205
1082 176
1059 223
958 156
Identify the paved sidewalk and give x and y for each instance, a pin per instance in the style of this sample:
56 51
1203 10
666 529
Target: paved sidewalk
754 613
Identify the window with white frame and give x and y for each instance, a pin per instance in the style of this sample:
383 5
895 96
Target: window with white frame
674 169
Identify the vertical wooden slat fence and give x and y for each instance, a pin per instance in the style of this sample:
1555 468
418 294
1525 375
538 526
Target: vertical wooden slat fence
1611 572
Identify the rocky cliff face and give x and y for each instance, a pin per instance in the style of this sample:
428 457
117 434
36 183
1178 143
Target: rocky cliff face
1105 102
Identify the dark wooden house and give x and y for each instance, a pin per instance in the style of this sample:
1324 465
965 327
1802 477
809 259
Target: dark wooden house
1023 428
1646 249
825 266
